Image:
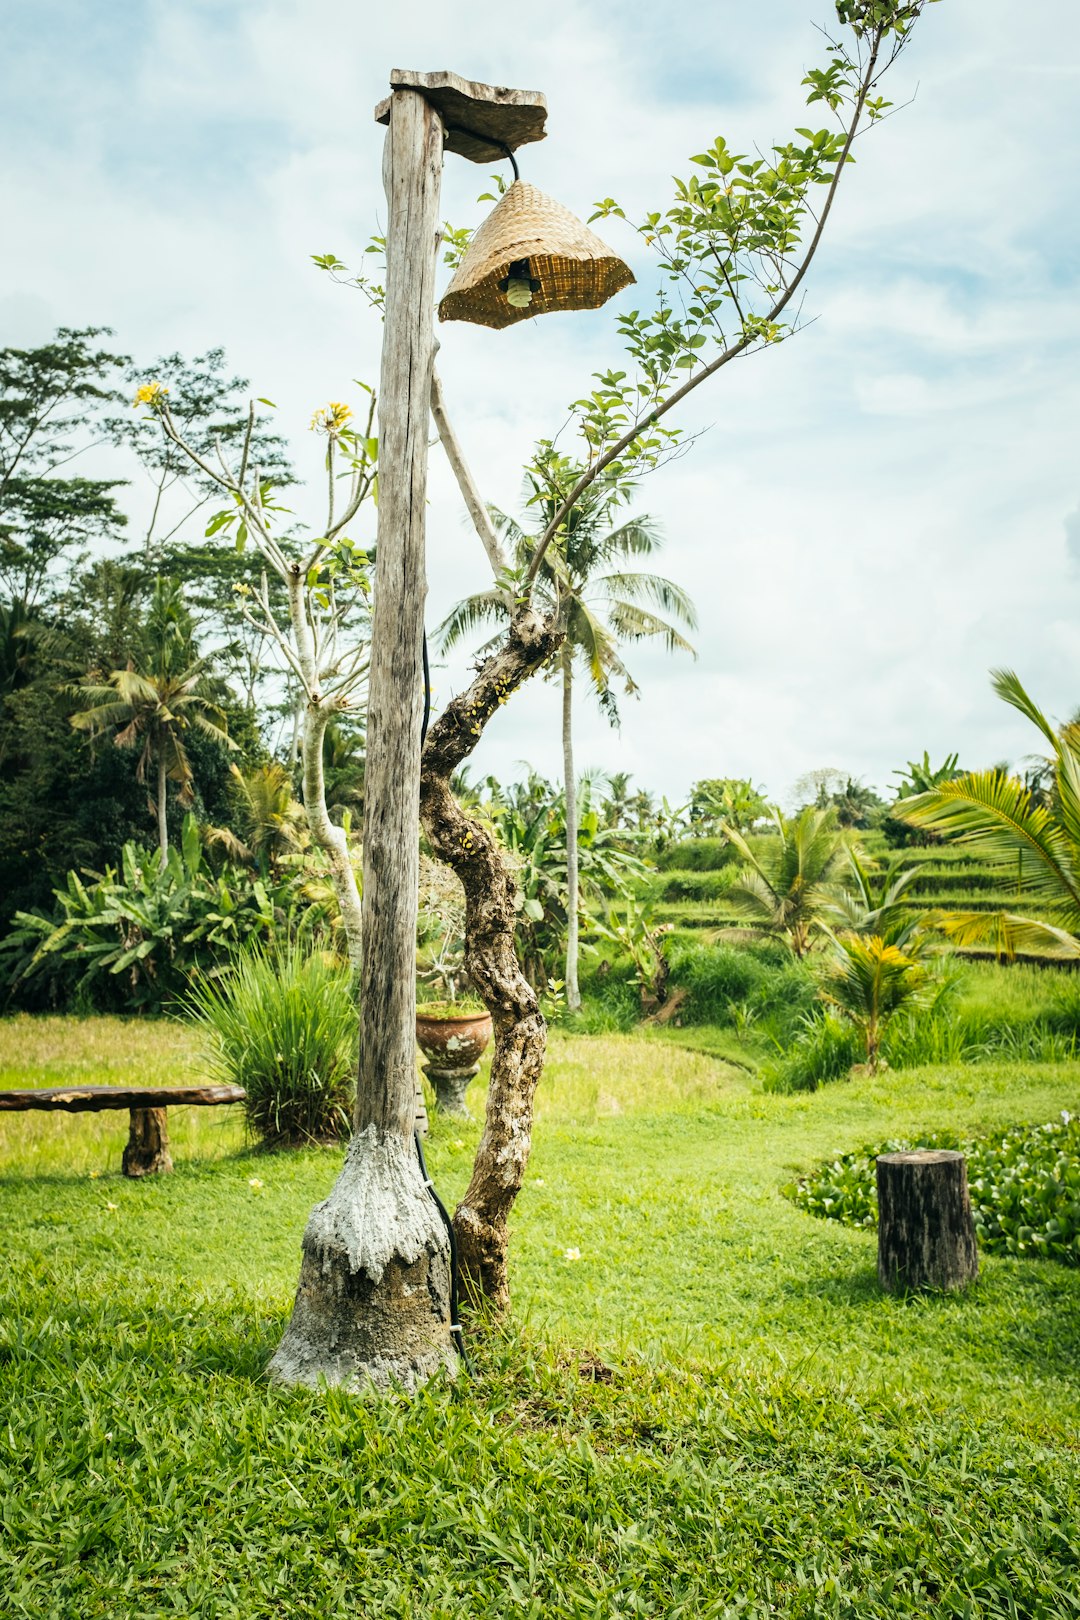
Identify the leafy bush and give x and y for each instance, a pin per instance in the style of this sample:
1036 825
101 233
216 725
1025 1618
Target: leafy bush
133 939
284 1026
694 885
733 985
696 855
1025 1188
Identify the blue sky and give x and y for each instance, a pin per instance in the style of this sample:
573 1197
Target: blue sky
877 513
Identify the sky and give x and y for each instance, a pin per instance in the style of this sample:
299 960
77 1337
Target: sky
872 517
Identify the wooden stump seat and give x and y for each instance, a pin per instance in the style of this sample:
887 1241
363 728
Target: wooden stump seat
926 1233
147 1150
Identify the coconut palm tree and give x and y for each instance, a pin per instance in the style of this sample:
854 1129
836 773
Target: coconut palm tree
600 603
151 708
785 887
1032 836
869 981
269 820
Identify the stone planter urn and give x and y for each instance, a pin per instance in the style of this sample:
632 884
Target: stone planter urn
453 1044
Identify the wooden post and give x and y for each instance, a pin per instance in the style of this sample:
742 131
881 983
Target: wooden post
373 1301
412 173
926 1234
147 1150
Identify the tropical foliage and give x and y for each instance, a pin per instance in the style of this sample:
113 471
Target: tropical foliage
283 1024
787 882
135 937
1034 845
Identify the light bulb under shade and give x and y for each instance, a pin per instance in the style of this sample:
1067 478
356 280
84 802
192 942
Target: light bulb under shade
574 268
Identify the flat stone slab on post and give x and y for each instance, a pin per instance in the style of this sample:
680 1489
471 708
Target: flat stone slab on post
926 1233
471 111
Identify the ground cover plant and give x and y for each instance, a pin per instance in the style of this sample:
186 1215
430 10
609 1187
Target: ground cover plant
1024 1184
665 1431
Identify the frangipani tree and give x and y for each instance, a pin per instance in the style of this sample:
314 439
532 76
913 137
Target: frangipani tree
323 643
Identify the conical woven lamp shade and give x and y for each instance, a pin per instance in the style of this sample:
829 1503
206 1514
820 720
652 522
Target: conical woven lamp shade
567 266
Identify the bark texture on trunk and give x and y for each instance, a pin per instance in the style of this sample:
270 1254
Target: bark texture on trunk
573 994
162 812
147 1150
926 1234
330 837
373 1302
491 903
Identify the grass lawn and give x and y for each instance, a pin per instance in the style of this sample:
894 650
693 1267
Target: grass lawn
712 1412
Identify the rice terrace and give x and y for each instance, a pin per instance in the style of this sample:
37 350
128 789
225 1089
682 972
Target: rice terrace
540 834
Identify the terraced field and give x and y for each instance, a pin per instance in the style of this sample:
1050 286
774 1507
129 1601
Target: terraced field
689 889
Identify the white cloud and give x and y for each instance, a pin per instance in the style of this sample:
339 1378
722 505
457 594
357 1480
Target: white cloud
873 517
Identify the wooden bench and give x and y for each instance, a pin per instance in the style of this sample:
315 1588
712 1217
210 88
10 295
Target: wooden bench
147 1151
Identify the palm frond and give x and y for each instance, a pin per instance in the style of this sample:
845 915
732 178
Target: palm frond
486 607
997 814
1009 935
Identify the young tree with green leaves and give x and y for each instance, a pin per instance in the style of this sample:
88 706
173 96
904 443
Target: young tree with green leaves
322 641
785 886
598 602
869 981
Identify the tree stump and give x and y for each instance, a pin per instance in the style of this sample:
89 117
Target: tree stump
926 1234
147 1151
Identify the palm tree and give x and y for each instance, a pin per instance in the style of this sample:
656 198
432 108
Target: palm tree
1012 826
869 981
270 821
786 888
599 604
150 709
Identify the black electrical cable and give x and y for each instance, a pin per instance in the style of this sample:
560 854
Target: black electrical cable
457 1332
459 129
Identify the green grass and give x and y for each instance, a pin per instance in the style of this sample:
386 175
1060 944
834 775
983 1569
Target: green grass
713 1412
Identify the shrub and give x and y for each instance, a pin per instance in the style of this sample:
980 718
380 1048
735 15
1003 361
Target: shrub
134 938
825 1048
1024 1184
284 1026
725 983
696 855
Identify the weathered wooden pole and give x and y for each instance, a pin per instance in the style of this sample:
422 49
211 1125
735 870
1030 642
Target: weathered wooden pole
926 1234
372 1305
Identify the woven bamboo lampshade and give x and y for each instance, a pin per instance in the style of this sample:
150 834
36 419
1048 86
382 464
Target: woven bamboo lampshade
530 244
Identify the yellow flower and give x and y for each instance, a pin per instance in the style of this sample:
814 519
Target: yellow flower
112 1206
571 1254
253 1181
152 394
331 418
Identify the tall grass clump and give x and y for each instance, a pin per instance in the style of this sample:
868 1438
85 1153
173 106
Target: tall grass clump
283 1024
826 1048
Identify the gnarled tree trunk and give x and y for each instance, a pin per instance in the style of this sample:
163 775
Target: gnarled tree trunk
480 1221
573 993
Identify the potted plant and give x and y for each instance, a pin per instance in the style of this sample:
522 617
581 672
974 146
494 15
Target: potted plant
453 1027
